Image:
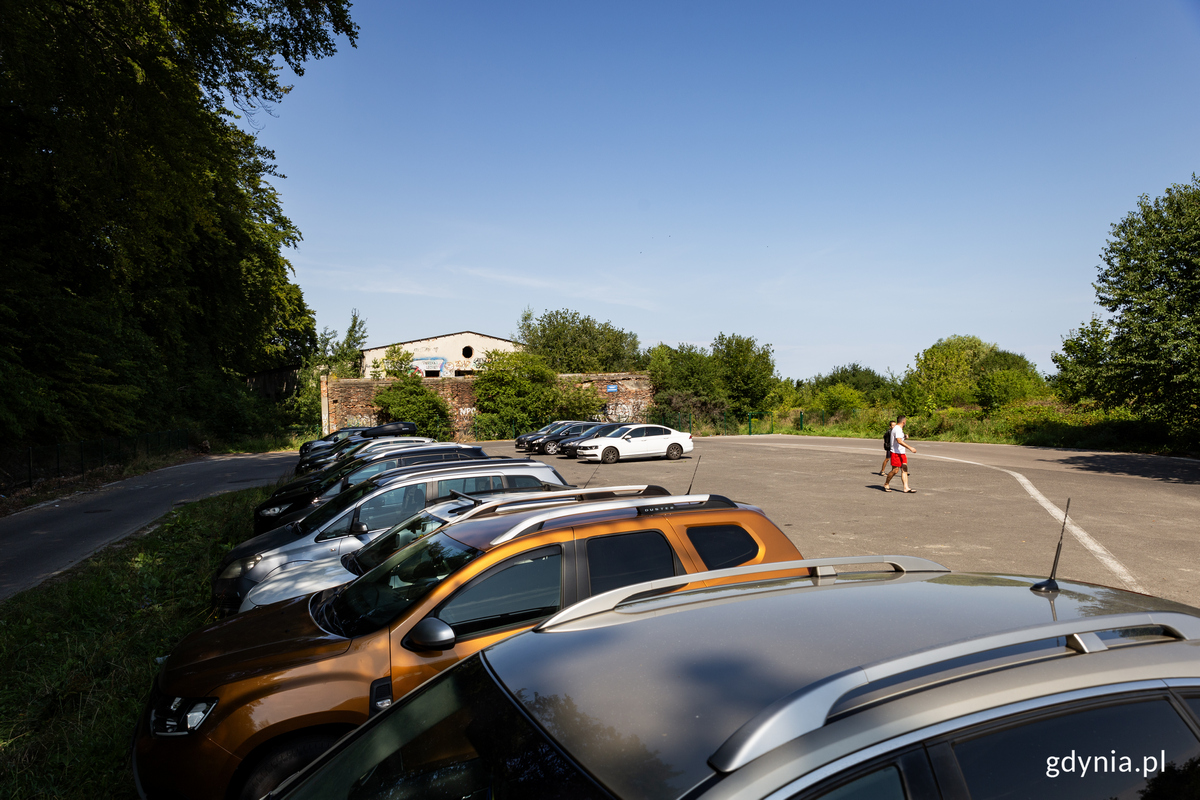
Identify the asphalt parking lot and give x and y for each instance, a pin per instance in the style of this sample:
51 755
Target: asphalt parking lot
977 507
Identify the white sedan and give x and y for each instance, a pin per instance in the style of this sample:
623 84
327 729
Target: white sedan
636 441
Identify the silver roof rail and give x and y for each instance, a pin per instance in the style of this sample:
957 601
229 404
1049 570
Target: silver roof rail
823 567
646 505
432 467
523 501
807 709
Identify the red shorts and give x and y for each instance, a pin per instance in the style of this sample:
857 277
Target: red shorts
898 459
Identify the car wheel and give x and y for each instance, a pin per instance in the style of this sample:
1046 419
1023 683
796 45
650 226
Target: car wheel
610 455
674 451
551 448
281 762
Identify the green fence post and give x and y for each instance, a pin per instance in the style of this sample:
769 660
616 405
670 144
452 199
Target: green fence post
750 424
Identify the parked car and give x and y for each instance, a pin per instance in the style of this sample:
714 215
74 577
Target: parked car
297 578
522 441
358 515
329 439
568 447
355 445
244 702
636 441
548 443
306 496
913 682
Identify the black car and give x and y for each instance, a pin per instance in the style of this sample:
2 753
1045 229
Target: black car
305 496
320 459
524 439
328 440
570 446
550 443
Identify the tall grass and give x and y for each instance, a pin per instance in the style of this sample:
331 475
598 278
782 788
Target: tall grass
77 653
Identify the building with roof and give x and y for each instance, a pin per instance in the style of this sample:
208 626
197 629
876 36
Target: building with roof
448 355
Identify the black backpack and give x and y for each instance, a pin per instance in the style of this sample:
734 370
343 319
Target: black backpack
887 439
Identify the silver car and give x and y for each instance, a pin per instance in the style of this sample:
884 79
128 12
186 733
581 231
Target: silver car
909 681
361 513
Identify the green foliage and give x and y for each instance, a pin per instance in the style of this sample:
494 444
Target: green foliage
686 369
519 391
331 357
408 400
571 343
746 369
140 240
1148 355
871 384
949 370
395 363
1004 386
839 397
77 653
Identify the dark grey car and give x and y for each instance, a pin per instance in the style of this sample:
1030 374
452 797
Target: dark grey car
907 682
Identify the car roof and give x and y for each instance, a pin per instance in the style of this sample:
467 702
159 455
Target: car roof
465 468
735 661
487 531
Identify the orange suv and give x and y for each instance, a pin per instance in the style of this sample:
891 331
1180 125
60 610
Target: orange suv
246 701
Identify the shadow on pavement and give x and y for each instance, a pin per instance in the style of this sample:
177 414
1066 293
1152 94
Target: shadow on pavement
1168 470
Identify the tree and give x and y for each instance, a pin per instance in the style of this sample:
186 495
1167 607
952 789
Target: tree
1147 356
408 400
332 357
948 371
746 369
396 362
140 239
571 343
519 391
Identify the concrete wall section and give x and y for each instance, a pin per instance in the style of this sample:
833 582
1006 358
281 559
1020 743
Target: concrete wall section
627 397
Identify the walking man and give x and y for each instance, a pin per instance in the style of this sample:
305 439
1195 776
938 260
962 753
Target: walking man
887 449
899 459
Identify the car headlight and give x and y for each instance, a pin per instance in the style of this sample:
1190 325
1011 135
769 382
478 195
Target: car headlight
240 567
273 511
179 716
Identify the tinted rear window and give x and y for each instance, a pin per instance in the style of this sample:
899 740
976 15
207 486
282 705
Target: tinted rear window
623 559
723 546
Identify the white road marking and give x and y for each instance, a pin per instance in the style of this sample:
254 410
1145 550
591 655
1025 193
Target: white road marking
1102 553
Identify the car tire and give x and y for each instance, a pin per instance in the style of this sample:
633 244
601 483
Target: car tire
550 448
674 451
610 455
280 762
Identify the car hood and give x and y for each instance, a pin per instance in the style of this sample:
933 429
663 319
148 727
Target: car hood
271 540
263 641
296 485
298 578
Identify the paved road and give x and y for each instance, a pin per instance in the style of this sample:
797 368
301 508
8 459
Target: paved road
46 539
1135 518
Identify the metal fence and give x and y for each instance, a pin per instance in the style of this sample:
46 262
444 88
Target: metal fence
27 466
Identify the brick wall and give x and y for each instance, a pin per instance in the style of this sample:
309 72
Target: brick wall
351 402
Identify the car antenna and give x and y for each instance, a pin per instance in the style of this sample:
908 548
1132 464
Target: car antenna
1050 585
597 469
693 480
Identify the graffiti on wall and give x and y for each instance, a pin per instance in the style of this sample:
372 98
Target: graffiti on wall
444 367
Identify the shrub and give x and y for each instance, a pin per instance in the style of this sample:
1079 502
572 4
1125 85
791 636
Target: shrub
1004 386
407 399
839 397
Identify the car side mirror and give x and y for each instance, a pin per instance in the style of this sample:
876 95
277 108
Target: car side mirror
430 634
358 528
627 438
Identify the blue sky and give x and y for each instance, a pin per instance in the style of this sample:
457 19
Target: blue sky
846 182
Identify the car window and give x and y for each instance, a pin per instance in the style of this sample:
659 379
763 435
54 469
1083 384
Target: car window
425 458
882 784
617 433
1094 754
657 431
524 482
518 592
473 485
625 558
637 433
722 546
1194 703
339 527
385 510
372 469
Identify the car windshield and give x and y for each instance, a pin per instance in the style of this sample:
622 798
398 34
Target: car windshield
618 433
459 735
399 537
335 507
405 577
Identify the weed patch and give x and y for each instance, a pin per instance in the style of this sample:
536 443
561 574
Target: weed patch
78 653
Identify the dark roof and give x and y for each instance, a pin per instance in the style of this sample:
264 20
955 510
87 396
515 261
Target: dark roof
443 336
696 666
